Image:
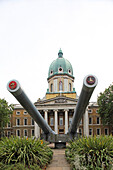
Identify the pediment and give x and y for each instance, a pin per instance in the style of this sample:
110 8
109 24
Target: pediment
57 100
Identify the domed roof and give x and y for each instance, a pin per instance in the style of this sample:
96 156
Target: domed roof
60 66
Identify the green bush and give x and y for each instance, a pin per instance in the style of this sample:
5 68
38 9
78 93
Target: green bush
28 152
91 153
18 166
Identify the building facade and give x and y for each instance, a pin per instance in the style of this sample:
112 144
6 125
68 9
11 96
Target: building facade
57 107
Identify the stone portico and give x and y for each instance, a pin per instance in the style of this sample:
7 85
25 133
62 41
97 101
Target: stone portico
58 114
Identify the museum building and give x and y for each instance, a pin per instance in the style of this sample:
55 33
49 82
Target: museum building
57 107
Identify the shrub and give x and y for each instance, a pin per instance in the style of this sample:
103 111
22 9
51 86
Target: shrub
18 166
91 153
28 152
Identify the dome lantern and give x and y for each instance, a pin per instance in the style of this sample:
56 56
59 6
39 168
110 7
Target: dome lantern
60 53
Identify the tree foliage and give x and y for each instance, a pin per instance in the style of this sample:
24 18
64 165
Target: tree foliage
5 112
105 102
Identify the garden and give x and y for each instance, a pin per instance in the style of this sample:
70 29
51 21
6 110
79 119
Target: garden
24 153
85 153
91 153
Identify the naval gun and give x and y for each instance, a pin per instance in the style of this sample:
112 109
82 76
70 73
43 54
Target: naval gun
15 89
89 83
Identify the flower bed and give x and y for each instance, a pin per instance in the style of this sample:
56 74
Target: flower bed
94 153
25 153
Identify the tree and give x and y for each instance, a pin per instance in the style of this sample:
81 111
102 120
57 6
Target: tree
5 112
105 102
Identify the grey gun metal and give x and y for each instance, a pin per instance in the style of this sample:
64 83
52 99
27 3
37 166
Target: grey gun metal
15 89
89 83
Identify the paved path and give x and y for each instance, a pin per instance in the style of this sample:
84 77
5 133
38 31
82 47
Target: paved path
59 161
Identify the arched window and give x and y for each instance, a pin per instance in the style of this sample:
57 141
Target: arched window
51 88
60 86
69 86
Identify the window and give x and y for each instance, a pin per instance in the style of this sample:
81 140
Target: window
90 120
60 70
18 132
70 120
25 132
96 110
3 133
32 132
51 88
98 120
90 131
9 116
51 121
51 72
32 122
18 113
61 121
25 113
8 134
25 121
9 124
90 111
98 131
69 86
17 122
69 71
106 131
60 86
80 131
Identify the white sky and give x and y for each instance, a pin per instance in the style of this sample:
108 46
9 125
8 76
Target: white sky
33 31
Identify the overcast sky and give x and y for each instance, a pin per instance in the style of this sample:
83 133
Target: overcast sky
33 31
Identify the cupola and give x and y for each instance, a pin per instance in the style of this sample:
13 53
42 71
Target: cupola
60 66
60 78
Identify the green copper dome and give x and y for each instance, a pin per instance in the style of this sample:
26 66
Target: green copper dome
60 66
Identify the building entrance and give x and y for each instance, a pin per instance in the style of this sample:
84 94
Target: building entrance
61 122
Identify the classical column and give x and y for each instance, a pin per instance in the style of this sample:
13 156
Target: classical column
66 121
46 115
56 121
86 127
37 130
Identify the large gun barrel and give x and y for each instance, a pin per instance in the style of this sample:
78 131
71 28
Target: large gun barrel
15 89
89 83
